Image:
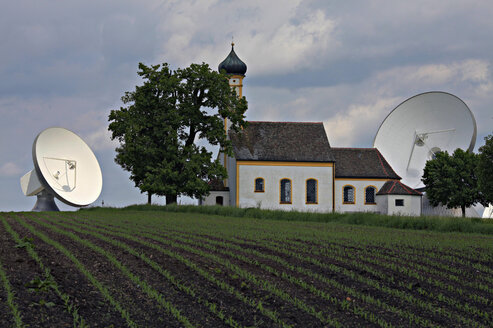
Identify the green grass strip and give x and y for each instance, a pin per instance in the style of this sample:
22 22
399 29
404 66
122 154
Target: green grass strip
442 224
102 289
151 292
69 305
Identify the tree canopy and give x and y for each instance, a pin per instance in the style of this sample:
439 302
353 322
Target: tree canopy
161 123
452 180
485 169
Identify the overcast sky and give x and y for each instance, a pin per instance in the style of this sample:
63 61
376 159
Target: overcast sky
346 63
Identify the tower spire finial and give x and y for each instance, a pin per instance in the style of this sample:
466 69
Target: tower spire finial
232 42
232 64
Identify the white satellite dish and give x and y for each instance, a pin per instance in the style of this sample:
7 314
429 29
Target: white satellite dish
421 126
64 167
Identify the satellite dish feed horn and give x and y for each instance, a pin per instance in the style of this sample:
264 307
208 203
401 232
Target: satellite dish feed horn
420 141
64 167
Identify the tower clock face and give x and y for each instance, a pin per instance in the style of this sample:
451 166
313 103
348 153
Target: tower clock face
235 81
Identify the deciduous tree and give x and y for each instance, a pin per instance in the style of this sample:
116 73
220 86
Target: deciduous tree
164 118
485 169
452 180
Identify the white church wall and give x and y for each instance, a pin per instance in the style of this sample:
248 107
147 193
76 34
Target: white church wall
411 205
272 175
359 201
382 203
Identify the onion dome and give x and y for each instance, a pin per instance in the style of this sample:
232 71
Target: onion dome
232 64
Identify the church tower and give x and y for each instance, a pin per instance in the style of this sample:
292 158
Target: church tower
235 69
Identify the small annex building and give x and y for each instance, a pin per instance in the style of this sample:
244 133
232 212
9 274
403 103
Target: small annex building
291 166
395 198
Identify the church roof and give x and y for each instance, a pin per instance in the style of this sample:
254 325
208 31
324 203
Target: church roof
232 64
282 141
362 163
217 185
397 188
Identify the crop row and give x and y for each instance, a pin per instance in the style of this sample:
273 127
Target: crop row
359 263
27 244
212 307
419 272
272 271
426 305
403 264
95 282
237 270
469 256
453 268
409 316
351 274
451 283
16 315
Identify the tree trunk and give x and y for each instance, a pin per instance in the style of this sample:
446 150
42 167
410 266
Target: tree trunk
171 199
463 208
149 197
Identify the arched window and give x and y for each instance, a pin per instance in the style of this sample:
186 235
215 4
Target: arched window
219 200
259 185
311 191
285 191
348 192
370 195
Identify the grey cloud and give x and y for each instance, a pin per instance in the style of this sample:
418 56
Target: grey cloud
67 47
67 63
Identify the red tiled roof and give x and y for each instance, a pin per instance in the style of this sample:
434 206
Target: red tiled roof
397 188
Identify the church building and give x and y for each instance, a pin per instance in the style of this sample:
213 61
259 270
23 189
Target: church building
291 166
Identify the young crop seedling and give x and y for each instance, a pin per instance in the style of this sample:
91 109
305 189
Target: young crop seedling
38 285
25 242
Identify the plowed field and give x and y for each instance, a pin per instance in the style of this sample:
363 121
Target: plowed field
115 268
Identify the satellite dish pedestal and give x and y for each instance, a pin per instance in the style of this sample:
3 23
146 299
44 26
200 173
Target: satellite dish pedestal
45 202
